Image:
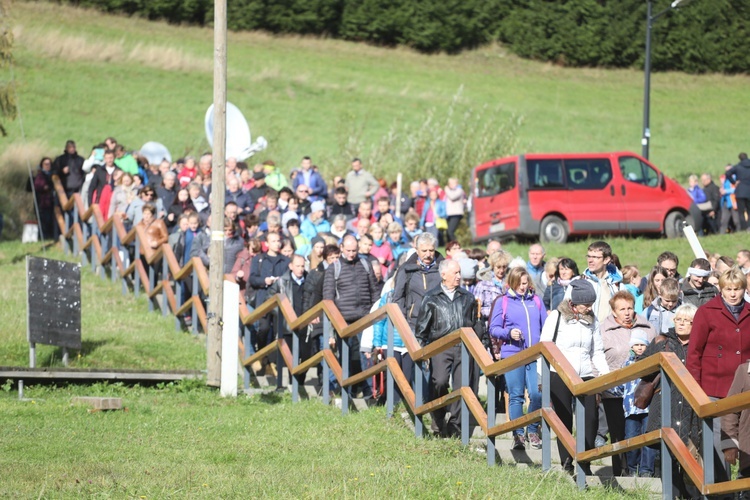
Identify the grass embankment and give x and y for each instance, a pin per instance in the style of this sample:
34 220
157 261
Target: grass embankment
85 75
185 442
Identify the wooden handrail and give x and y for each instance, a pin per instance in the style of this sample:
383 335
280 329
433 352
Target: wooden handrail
673 368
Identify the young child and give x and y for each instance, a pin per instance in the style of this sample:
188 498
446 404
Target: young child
640 461
661 311
411 225
735 427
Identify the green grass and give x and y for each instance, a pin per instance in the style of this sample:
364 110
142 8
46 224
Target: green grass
116 330
182 441
307 95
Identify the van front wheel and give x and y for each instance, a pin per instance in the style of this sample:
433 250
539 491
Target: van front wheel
553 230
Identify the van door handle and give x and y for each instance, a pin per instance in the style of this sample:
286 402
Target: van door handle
622 189
612 190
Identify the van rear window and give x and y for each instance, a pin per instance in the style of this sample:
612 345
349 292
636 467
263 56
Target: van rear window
496 180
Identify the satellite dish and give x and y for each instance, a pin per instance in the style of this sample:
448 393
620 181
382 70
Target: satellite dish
155 153
239 143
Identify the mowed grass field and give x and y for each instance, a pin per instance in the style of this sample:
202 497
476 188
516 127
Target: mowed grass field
85 75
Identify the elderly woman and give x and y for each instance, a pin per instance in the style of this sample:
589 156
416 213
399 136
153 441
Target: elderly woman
616 329
572 328
517 320
565 270
684 421
720 342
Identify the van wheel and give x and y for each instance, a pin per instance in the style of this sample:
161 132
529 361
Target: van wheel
553 230
674 223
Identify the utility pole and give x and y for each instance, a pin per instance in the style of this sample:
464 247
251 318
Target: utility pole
216 250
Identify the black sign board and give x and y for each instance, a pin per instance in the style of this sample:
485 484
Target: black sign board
54 302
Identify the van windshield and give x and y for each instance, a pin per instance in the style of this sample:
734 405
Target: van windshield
496 180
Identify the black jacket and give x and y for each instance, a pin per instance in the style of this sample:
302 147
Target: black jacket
684 420
697 297
262 267
741 173
412 283
99 180
439 315
354 290
713 195
313 293
73 180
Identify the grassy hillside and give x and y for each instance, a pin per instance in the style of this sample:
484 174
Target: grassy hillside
85 75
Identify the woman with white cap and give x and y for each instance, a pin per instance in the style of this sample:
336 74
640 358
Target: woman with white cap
572 327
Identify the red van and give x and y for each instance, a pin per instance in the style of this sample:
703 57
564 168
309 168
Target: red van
553 196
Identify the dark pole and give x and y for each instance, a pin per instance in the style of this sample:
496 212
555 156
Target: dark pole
647 87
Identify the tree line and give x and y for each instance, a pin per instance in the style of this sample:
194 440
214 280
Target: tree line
700 36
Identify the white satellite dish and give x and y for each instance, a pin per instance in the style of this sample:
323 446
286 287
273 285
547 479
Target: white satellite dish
239 141
155 153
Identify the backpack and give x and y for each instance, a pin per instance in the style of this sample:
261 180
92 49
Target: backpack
337 271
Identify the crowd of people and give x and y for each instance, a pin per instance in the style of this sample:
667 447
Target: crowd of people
362 243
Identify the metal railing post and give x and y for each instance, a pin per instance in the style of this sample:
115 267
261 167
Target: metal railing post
491 415
178 302
295 362
136 274
389 395
279 358
326 382
196 296
248 350
151 285
465 365
546 403
666 421
580 440
420 385
76 245
344 376
113 259
94 233
708 450
165 280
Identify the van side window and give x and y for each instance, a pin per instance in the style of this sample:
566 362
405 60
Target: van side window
634 170
545 174
588 174
496 180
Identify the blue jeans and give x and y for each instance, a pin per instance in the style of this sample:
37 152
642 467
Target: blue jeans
366 363
523 377
640 461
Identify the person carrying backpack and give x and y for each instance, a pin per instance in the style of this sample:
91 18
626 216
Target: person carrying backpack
517 319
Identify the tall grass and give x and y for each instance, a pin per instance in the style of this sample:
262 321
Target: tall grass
446 139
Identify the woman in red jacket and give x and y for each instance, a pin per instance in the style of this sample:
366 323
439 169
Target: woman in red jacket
719 343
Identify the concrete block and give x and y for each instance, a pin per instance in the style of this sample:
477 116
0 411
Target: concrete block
99 404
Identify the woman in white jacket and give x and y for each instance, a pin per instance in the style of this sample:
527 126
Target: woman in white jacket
572 327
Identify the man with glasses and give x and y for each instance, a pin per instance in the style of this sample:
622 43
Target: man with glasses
304 206
604 275
670 262
309 177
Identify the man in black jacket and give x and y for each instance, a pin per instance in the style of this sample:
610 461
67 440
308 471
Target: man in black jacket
292 285
713 196
69 167
446 308
740 175
265 269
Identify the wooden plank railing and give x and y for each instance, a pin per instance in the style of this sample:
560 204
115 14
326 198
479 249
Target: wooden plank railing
100 241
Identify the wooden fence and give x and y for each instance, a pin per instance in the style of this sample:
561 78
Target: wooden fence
98 243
